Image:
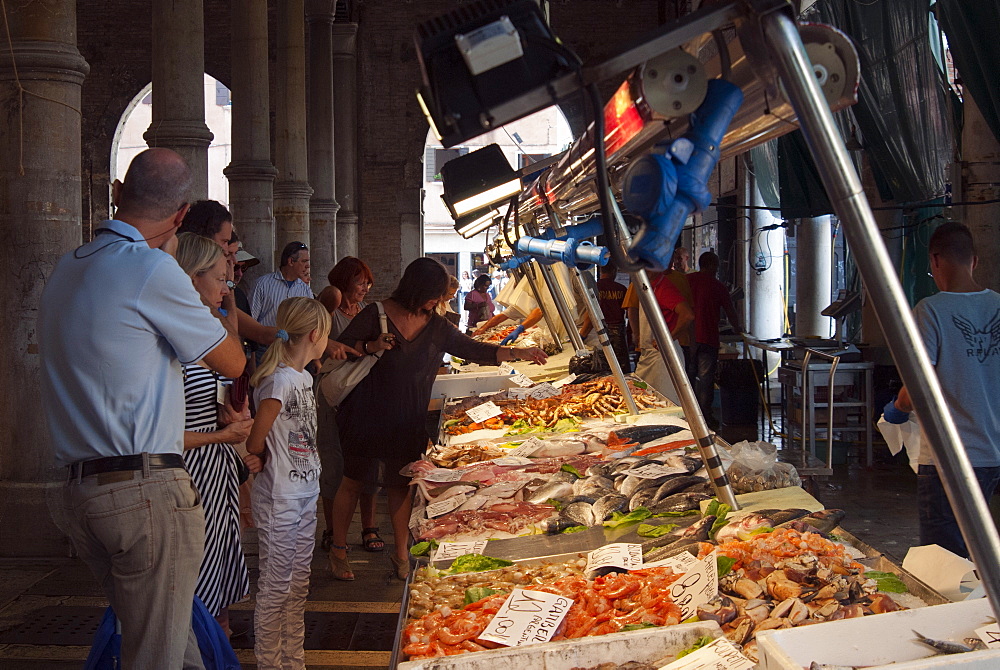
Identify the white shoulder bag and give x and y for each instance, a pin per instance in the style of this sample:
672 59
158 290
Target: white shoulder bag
337 378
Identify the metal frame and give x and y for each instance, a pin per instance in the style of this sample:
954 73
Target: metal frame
849 202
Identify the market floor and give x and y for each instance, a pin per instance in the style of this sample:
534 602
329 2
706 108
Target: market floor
50 609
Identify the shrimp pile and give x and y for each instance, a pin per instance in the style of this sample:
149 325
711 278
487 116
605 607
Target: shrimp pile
601 606
771 549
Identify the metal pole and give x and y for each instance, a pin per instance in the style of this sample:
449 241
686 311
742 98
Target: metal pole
597 319
675 366
900 329
529 274
557 298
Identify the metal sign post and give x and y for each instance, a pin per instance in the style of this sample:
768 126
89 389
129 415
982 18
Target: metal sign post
851 205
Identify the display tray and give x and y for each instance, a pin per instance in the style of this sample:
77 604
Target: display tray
644 646
555 368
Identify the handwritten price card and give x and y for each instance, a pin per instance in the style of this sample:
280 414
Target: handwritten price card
568 379
617 555
481 413
696 586
528 447
680 563
655 471
527 617
990 635
543 390
449 551
721 654
440 507
506 369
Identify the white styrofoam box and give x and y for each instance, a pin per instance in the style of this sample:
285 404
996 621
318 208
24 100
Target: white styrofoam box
645 645
882 639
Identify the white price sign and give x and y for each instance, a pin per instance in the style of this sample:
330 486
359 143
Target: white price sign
527 617
481 413
543 390
440 507
680 563
990 635
449 551
528 447
522 379
476 501
512 460
507 369
696 587
417 514
618 555
568 379
443 475
503 489
720 654
655 471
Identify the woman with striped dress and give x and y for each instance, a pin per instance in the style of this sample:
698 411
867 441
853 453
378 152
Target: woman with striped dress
208 452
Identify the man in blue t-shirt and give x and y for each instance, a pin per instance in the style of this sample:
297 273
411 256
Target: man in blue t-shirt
960 327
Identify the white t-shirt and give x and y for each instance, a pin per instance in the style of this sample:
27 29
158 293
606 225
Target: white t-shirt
292 468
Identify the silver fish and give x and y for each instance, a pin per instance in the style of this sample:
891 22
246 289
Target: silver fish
589 484
676 485
580 512
562 476
643 498
670 551
631 485
553 490
613 502
944 646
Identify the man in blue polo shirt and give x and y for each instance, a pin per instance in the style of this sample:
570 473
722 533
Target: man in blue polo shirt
289 281
117 318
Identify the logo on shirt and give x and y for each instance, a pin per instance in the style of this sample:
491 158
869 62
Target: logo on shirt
982 342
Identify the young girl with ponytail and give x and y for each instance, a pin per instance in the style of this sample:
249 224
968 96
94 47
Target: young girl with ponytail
284 494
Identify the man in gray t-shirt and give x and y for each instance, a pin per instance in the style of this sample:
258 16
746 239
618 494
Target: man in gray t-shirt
960 327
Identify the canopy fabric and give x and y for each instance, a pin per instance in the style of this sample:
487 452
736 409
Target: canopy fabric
971 28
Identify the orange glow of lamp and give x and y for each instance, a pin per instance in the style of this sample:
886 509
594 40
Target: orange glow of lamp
623 119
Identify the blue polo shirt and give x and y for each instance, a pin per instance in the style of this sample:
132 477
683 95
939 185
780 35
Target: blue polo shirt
116 320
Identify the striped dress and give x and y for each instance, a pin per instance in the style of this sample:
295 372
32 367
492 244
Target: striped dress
223 577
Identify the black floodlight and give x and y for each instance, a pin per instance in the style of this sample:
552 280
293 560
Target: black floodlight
478 58
475 183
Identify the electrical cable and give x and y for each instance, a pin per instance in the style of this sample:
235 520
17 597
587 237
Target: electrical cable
618 254
725 60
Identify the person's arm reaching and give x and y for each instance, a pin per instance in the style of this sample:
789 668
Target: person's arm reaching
495 320
250 329
227 358
731 315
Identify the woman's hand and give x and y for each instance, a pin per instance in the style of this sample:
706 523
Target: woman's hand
253 462
236 432
229 413
533 354
384 342
339 351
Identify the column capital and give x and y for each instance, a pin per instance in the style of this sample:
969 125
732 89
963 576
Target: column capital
178 133
323 206
292 190
345 38
321 11
253 170
46 61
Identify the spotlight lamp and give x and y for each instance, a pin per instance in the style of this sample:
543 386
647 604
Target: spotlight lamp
476 182
469 227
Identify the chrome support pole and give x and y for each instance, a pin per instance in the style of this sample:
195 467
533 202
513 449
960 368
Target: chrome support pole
900 329
557 298
529 274
675 367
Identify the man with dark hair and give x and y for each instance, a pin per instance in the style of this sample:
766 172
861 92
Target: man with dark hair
288 281
117 318
960 327
709 295
610 295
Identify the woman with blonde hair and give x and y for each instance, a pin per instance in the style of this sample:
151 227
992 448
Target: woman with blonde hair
210 430
285 493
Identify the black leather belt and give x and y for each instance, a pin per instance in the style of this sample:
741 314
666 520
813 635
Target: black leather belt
120 463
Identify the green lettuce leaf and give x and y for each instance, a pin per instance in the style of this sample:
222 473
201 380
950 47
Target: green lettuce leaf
574 529
887 582
618 519
724 564
699 643
477 563
570 469
650 530
476 593
637 626
423 548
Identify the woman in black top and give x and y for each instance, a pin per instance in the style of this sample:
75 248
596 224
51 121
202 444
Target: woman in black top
382 422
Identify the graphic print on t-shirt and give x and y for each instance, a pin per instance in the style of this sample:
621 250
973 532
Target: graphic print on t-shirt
300 409
982 342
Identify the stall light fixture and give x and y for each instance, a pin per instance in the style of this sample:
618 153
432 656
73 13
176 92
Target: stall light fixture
469 227
477 181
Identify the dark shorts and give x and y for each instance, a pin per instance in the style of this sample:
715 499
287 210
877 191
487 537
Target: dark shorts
937 521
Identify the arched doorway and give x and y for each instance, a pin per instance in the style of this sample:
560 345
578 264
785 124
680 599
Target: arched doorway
218 116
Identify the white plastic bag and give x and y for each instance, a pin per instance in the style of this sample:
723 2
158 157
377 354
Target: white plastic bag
755 467
899 435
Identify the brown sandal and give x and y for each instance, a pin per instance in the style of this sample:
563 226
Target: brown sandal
340 567
401 566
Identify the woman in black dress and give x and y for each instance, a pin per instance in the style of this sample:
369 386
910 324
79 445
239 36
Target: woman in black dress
382 422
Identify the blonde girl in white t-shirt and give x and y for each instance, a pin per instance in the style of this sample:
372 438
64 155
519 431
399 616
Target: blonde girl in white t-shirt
284 494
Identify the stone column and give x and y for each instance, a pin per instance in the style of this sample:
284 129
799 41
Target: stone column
345 92
323 205
813 265
250 174
179 86
766 272
40 221
292 190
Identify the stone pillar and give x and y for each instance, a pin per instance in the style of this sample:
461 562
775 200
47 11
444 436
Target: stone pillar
813 265
981 182
179 86
250 174
323 205
292 190
345 125
40 221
